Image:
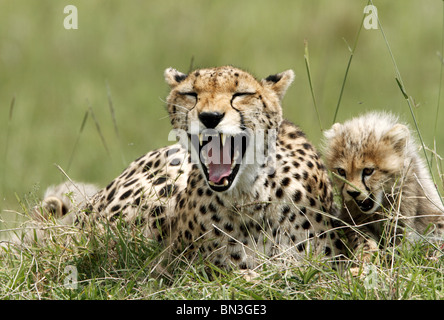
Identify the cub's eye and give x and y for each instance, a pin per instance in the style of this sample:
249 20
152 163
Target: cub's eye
368 171
189 94
341 172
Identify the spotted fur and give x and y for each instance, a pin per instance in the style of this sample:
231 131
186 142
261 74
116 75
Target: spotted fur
282 205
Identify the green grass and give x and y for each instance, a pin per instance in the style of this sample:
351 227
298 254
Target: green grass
124 265
91 100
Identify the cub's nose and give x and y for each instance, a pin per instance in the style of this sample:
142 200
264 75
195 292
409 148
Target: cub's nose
211 119
353 194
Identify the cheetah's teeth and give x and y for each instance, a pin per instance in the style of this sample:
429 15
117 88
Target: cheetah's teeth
223 138
200 139
225 183
236 155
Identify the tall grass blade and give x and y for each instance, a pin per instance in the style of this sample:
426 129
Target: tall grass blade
401 86
408 99
98 129
85 118
8 131
440 79
440 74
352 52
113 115
307 65
111 109
191 67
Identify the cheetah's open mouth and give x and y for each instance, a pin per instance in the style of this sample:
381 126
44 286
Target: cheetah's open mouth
220 156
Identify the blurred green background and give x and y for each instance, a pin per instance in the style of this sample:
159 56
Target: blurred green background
121 48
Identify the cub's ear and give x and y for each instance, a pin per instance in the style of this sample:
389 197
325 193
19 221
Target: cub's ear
333 131
398 137
279 83
174 77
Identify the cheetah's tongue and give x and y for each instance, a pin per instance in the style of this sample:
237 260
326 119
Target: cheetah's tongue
218 168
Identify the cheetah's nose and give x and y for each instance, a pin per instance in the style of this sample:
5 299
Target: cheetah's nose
211 119
354 194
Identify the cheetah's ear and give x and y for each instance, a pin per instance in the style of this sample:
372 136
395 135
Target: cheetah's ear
174 77
398 137
279 83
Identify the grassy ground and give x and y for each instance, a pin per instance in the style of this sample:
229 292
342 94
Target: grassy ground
52 79
123 265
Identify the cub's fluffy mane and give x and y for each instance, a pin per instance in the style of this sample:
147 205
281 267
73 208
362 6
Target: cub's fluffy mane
358 130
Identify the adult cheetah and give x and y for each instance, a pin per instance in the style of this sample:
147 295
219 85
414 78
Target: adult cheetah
241 183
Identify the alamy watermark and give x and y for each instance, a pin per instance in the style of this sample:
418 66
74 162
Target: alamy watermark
71 276
371 18
71 21
371 280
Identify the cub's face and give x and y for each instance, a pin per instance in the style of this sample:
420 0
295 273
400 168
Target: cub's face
366 165
221 110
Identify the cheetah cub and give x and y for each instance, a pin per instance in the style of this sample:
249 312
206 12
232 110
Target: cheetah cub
385 185
60 199
60 203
